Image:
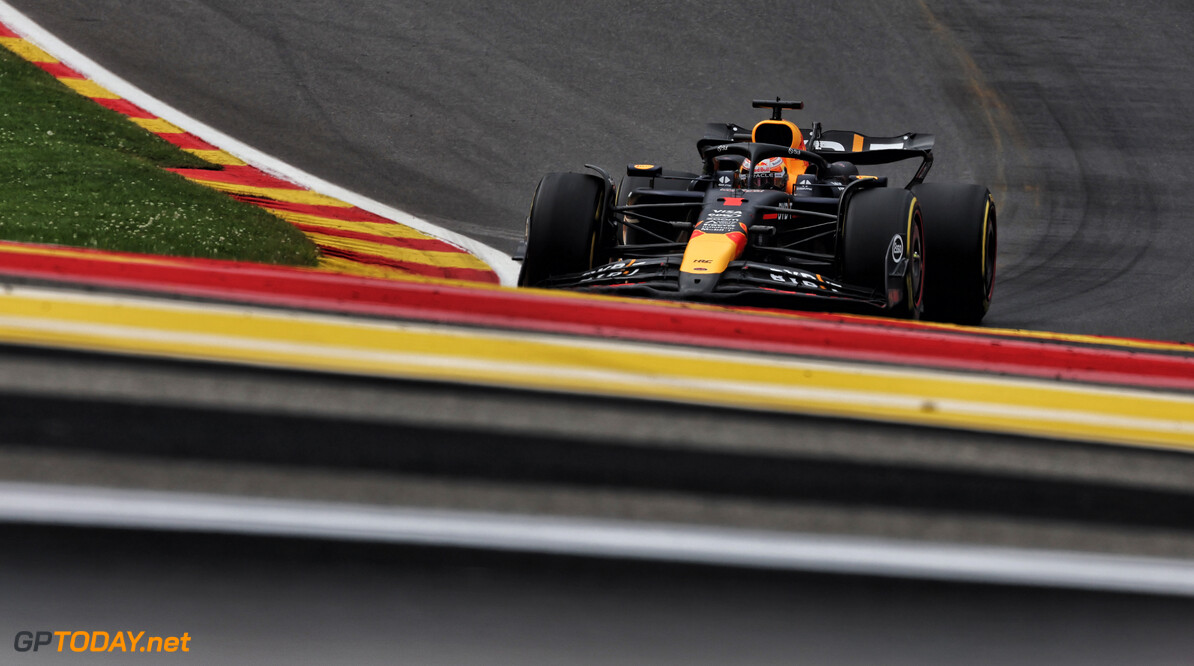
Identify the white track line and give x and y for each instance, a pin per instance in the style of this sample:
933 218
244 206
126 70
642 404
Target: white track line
505 267
663 542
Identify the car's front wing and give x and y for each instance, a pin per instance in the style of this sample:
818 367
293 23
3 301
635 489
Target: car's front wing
658 277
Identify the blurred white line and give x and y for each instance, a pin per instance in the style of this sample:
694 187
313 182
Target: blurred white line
662 542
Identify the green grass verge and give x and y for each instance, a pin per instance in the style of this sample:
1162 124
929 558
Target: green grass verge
75 173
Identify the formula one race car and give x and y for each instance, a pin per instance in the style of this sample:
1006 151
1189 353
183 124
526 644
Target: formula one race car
776 216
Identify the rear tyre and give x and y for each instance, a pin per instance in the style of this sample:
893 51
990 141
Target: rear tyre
960 236
563 227
874 218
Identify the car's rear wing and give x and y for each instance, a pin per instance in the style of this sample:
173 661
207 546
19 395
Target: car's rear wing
845 141
839 146
847 146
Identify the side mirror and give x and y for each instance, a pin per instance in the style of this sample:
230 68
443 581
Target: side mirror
648 170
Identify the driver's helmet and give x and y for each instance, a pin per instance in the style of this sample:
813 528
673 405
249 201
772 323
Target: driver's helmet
770 173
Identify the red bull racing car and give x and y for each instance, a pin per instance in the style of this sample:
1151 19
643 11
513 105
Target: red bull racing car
777 216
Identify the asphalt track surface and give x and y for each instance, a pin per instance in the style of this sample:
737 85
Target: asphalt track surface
1074 116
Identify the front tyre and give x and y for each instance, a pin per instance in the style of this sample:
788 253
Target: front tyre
563 227
960 236
883 248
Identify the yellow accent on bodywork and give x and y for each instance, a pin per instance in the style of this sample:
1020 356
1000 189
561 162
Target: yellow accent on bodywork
709 253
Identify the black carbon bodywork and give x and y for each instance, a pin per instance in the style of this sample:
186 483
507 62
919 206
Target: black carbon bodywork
790 241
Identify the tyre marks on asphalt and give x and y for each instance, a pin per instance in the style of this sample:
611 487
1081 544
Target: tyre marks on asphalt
350 240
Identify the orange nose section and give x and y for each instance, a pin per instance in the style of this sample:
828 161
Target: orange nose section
711 253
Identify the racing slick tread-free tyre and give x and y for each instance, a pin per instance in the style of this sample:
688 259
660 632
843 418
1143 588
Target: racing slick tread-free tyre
873 217
563 227
960 241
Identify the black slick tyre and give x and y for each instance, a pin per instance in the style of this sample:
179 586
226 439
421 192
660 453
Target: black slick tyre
563 227
960 240
874 218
